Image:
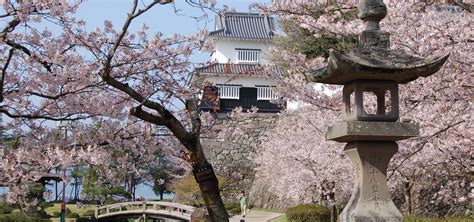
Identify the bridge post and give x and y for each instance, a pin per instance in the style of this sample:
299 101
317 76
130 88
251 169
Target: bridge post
96 212
144 217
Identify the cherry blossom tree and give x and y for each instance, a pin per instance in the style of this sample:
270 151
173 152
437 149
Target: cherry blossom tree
309 169
116 151
112 73
431 171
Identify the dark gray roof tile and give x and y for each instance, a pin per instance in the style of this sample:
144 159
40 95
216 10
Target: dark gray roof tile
237 69
247 26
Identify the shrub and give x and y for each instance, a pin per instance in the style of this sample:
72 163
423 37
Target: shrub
110 201
233 208
250 206
19 217
308 213
57 213
89 213
72 215
5 208
187 191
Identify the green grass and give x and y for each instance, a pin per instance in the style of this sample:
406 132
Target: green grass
425 219
269 210
72 207
281 219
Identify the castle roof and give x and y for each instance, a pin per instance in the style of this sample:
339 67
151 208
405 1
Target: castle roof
234 70
237 69
244 26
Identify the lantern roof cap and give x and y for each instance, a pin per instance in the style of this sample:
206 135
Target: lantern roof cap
375 64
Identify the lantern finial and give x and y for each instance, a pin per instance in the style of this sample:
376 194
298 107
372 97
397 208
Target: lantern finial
372 12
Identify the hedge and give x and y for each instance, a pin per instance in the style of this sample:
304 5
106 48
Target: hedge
89 213
5 208
308 213
19 217
72 215
233 208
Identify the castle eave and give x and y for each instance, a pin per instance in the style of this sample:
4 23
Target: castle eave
241 38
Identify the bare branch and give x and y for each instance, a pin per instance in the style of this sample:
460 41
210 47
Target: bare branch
122 34
25 50
9 27
58 96
466 6
427 139
193 110
146 116
68 117
4 73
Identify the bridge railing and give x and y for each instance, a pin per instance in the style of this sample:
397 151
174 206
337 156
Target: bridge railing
146 207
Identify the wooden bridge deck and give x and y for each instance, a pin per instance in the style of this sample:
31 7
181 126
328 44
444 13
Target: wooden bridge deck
146 208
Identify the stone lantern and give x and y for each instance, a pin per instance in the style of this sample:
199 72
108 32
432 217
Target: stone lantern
372 69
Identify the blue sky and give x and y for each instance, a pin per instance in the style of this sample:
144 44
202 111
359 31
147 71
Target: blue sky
161 18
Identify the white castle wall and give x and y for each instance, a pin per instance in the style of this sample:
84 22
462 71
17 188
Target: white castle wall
225 50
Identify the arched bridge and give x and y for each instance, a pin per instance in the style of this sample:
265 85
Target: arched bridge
144 209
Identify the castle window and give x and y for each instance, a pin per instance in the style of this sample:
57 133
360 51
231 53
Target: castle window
248 55
229 91
265 93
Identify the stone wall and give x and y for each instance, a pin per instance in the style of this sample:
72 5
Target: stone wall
236 152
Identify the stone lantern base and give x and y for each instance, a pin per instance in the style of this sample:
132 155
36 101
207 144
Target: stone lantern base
370 146
370 200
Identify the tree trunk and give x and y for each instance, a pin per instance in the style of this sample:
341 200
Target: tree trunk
209 186
56 195
132 187
76 194
333 213
408 197
332 197
70 193
202 170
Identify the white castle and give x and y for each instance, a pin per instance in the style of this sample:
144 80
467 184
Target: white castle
236 78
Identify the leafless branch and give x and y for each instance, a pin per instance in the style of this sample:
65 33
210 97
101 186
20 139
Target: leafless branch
422 145
4 72
37 115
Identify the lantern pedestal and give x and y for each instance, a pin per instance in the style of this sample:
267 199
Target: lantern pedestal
370 200
370 146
